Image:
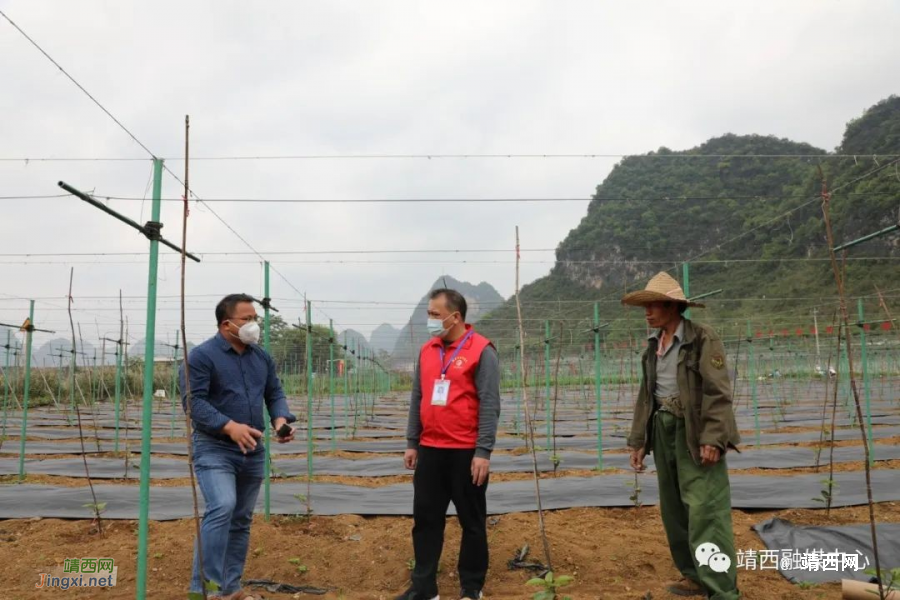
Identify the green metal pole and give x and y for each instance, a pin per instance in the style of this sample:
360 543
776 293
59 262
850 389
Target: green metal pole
346 364
147 407
6 382
174 384
370 392
59 375
866 384
357 391
309 392
371 355
686 278
598 379
26 393
751 373
267 435
866 238
331 378
518 384
95 385
547 381
364 386
364 374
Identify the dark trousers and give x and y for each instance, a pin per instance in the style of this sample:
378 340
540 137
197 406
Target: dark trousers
444 475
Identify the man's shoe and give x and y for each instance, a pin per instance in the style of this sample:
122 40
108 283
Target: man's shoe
470 595
686 587
412 594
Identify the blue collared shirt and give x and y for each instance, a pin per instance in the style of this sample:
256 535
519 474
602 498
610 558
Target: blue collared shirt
227 386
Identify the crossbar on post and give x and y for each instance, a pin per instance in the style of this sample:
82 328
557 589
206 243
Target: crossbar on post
150 230
866 238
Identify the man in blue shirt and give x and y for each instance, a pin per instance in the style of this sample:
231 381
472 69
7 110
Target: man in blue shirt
230 377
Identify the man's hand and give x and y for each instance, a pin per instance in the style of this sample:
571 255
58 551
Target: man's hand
410 458
242 435
480 469
709 455
277 425
637 459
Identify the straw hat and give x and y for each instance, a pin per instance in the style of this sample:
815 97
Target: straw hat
662 288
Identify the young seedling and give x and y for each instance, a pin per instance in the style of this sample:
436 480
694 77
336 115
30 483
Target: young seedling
550 586
211 587
301 568
304 499
828 492
410 564
97 508
890 580
635 496
556 460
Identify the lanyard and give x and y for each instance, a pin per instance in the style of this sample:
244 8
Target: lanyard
459 348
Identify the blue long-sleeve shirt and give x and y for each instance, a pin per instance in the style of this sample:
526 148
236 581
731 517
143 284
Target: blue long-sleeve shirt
227 386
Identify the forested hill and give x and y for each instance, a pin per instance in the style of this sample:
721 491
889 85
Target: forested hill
745 211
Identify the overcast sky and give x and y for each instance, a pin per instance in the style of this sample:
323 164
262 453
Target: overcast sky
378 77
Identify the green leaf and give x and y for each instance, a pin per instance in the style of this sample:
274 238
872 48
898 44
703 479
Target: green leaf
535 581
564 580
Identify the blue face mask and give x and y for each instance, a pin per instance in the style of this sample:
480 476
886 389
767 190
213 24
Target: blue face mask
436 327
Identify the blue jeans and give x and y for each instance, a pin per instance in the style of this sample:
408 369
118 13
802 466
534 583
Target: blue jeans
229 481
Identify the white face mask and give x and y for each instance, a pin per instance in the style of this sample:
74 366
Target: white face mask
248 333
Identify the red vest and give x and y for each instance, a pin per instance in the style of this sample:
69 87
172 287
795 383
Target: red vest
456 424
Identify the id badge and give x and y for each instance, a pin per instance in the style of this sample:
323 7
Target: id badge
441 393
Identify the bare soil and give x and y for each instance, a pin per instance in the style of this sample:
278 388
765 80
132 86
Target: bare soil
613 554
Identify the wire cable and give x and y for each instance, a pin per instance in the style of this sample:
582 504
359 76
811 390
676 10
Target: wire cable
654 156
78 85
661 198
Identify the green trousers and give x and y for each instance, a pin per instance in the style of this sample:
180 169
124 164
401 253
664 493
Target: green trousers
695 502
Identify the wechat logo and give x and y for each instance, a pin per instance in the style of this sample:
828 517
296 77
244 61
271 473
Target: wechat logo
709 555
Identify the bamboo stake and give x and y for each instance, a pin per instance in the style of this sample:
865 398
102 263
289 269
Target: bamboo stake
528 422
845 317
187 369
87 472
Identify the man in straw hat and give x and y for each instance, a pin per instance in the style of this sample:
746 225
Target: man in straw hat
684 416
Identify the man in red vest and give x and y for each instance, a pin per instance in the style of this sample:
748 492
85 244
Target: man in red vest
453 415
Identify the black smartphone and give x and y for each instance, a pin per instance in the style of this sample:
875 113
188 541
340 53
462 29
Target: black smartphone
284 431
